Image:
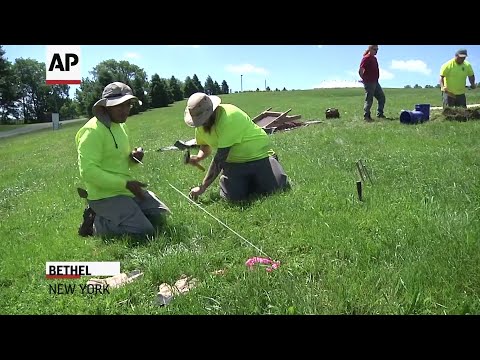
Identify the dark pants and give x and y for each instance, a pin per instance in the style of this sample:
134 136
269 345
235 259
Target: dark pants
245 180
125 215
373 90
457 100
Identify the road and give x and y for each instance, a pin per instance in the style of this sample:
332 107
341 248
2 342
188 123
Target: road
34 127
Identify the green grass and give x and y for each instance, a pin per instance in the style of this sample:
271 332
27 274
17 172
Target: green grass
412 246
9 127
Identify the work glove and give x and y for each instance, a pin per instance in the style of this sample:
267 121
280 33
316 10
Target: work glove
137 153
136 188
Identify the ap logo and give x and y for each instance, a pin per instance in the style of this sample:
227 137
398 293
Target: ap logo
63 65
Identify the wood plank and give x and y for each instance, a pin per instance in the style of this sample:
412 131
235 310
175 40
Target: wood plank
261 115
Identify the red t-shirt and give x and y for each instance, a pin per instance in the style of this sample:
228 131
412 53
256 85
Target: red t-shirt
370 64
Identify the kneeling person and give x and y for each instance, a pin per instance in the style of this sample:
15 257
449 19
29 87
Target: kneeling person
118 204
244 154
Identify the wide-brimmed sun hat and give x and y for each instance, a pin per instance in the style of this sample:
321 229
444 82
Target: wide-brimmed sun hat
115 94
200 107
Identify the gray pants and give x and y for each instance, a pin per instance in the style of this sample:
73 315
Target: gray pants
242 181
373 90
125 215
450 101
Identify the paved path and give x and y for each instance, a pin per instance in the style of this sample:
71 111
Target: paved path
34 127
441 107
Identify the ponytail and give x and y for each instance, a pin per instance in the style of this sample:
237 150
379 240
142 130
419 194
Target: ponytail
210 122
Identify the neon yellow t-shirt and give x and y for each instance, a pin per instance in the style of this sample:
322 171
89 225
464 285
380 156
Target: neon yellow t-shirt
456 76
234 128
104 159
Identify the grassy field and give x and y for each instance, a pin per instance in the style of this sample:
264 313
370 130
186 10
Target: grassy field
411 247
9 127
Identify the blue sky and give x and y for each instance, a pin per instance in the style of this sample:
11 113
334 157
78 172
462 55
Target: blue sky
290 66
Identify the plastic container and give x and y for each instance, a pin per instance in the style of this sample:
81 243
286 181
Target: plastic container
411 117
425 109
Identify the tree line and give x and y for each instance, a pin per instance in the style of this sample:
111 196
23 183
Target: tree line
416 86
25 95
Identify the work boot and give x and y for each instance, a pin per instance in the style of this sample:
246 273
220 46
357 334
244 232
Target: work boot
381 116
367 118
86 228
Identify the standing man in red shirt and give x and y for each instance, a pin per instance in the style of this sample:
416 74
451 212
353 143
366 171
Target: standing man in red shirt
370 73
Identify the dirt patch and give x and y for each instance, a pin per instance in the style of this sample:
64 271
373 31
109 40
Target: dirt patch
461 114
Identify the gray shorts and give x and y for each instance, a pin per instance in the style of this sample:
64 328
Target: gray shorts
242 181
125 215
457 101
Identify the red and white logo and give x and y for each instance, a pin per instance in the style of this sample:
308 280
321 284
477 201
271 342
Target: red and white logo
63 65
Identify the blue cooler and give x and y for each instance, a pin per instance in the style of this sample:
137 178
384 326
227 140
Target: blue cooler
425 109
411 117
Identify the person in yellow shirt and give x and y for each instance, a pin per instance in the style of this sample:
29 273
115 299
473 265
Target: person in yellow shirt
453 77
244 154
118 204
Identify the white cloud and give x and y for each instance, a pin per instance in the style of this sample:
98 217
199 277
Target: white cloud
132 55
411 65
386 75
330 84
246 69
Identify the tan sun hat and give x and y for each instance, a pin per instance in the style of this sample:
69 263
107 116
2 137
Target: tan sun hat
200 107
115 94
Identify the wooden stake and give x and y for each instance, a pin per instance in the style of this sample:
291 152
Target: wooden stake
359 190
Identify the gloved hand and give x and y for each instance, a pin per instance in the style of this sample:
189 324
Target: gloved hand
136 188
137 153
